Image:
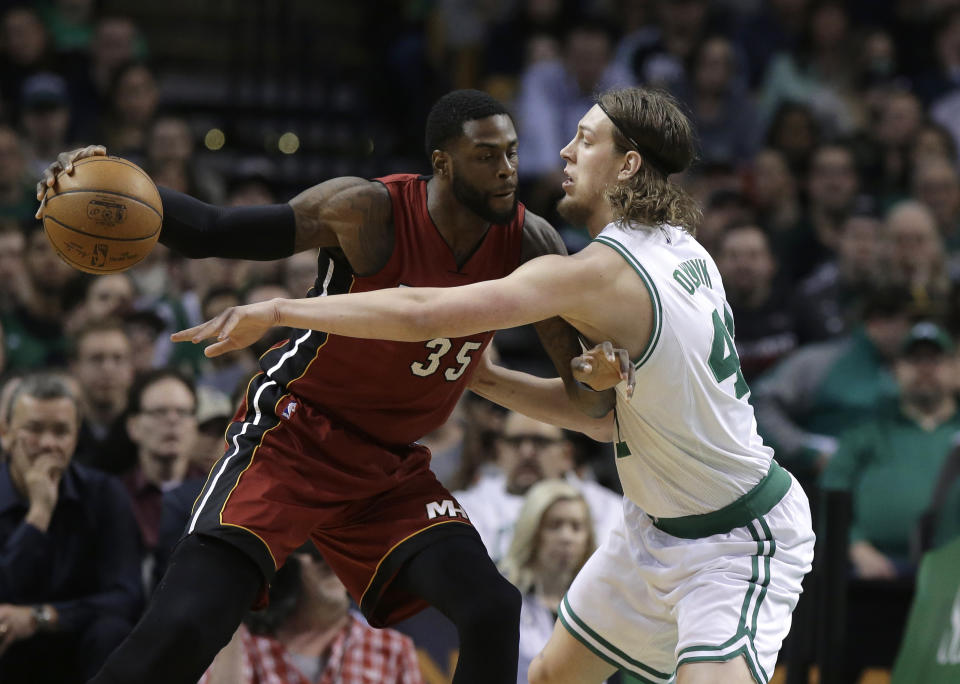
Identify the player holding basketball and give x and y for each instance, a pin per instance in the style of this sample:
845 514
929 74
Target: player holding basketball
701 579
324 444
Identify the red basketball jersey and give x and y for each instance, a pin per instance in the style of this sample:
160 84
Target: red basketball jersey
395 392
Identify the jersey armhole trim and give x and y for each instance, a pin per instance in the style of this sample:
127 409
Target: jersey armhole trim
651 290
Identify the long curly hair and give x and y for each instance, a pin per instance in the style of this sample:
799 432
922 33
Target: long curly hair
663 136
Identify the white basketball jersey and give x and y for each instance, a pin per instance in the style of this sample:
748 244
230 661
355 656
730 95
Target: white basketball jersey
687 440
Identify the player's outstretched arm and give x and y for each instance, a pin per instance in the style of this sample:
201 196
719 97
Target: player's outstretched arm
545 287
541 398
318 217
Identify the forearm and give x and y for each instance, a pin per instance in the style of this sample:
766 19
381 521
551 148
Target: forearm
402 315
543 399
198 230
561 342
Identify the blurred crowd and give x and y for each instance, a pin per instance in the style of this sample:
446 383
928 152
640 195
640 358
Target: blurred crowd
827 170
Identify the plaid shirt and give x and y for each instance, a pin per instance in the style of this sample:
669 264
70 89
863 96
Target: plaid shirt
359 654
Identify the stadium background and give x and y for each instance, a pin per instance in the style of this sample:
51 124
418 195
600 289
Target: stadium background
812 115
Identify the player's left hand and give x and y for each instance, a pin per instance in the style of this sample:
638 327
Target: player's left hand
235 328
603 367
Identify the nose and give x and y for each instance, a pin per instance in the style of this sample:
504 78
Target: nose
567 152
507 167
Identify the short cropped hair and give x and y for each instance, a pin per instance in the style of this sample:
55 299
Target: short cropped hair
146 380
45 386
450 112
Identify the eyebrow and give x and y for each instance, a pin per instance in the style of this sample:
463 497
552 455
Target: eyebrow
495 146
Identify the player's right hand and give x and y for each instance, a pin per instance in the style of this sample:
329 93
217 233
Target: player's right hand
64 164
603 367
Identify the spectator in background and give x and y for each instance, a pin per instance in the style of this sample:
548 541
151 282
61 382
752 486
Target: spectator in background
170 161
70 588
34 328
885 149
162 422
308 633
722 208
300 273
944 77
765 325
45 119
775 27
17 201
832 188
936 183
913 256
553 96
552 539
214 411
932 142
116 41
818 73
509 41
795 133
774 194
660 60
719 106
826 301
103 366
890 463
805 402
106 296
527 452
225 373
26 51
70 23
14 282
133 98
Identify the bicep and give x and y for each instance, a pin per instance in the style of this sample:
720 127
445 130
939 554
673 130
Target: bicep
330 211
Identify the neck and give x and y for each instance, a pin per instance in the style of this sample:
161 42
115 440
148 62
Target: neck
599 221
310 631
456 224
931 416
550 587
101 414
160 469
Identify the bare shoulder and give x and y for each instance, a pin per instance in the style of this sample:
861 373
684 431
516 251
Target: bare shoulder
340 207
539 238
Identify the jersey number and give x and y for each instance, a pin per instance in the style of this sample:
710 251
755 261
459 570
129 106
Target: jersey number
724 361
441 345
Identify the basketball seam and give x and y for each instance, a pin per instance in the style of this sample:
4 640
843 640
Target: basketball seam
105 192
102 237
119 160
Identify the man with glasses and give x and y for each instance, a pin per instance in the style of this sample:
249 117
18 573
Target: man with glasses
162 423
527 452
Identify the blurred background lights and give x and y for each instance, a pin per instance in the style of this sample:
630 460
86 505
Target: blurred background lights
288 143
214 139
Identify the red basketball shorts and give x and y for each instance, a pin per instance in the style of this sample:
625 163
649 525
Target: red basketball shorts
291 473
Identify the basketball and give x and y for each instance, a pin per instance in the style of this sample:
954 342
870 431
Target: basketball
105 216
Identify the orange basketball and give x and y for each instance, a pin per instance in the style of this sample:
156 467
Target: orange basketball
105 216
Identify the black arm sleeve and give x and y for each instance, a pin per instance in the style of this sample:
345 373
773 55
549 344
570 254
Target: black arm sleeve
198 230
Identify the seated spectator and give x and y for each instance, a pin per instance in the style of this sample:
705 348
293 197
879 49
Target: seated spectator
936 183
170 161
527 452
162 422
103 366
14 281
45 118
913 256
890 464
805 402
552 540
775 194
766 330
107 296
794 133
309 634
719 105
826 300
134 98
17 198
34 327
553 95
69 567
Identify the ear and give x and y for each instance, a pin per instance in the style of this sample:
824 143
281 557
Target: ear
632 161
441 162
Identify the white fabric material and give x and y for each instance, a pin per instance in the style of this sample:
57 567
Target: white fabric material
692 441
646 600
